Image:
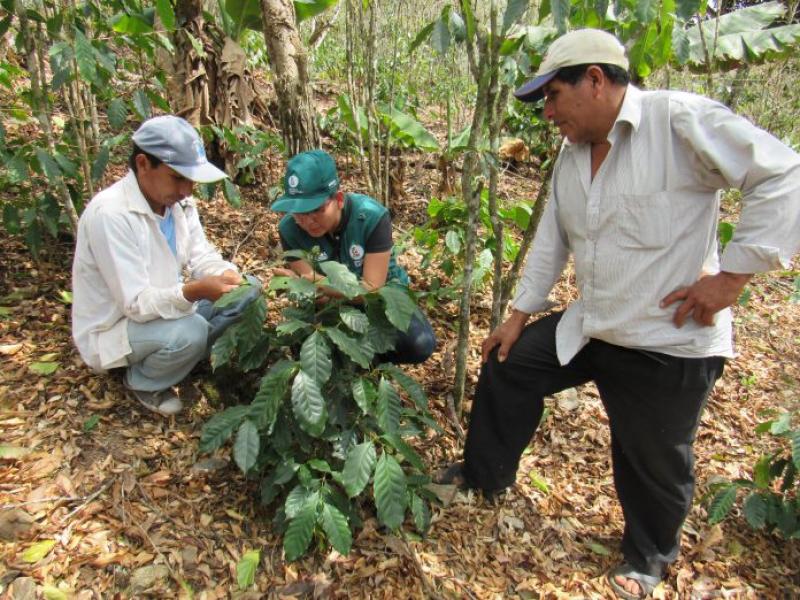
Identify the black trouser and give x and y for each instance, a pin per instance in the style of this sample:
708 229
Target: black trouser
653 402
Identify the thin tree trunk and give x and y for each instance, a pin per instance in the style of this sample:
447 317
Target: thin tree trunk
290 68
471 192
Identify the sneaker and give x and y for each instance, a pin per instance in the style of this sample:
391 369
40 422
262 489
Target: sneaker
164 402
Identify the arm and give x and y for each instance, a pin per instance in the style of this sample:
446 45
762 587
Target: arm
732 152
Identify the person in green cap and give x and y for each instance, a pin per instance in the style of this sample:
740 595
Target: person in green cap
352 229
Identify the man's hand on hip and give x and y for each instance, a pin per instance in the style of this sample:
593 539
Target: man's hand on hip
504 336
706 297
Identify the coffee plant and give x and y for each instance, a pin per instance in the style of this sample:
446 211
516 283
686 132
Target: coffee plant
773 493
326 430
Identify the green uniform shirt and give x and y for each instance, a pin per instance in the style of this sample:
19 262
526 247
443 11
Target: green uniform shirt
360 216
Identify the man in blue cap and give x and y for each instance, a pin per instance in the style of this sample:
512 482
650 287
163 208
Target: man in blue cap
131 307
635 201
352 229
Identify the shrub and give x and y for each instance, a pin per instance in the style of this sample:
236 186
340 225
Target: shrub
326 420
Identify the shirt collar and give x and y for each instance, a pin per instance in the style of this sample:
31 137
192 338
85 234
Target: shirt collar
630 112
134 199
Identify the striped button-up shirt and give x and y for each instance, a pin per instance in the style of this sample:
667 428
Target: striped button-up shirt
646 225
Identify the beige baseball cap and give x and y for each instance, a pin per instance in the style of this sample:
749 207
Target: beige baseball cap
579 47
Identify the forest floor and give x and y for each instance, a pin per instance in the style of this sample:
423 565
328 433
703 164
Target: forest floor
100 498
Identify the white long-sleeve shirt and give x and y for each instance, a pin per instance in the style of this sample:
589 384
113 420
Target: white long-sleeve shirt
647 224
124 269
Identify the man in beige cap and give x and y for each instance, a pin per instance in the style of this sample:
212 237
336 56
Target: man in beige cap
634 200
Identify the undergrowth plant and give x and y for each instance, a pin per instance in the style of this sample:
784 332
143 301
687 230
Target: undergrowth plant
326 430
773 493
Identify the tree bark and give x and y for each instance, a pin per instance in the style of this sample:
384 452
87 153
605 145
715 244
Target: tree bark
289 62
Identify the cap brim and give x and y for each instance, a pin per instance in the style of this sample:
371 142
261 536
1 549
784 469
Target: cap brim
202 173
295 204
532 91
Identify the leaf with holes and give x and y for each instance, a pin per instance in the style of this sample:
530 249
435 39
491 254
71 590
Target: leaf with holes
308 405
389 488
358 468
335 526
315 358
247 446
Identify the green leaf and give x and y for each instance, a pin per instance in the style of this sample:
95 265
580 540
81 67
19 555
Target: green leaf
599 549
422 35
389 406
49 166
560 10
761 472
271 392
782 424
234 296
755 510
100 162
53 593
354 349
421 513
43 368
246 14
440 36
363 394
358 468
84 55
722 503
67 167
38 551
315 358
223 349
409 384
299 533
17 170
221 426
165 13
355 319
291 326
406 451
795 442
231 193
308 405
452 241
142 104
246 569
411 132
514 11
13 452
335 526
91 423
399 306
131 24
646 10
11 219
342 279
197 45
297 499
247 446
389 488
311 8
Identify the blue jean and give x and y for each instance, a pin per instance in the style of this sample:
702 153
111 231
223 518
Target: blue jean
415 345
164 351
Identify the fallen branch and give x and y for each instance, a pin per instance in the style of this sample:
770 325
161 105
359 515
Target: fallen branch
86 500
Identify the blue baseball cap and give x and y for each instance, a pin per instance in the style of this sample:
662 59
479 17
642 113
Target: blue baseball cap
177 144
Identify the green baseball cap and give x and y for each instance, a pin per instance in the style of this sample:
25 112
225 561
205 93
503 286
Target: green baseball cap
310 179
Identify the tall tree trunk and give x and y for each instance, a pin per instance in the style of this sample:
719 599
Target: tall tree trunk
288 59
